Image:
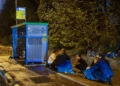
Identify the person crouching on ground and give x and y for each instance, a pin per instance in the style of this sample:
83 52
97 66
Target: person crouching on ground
61 57
52 58
81 63
101 71
63 62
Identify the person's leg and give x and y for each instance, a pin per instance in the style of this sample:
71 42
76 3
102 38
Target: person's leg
99 76
82 71
61 68
68 67
88 74
110 80
49 66
53 66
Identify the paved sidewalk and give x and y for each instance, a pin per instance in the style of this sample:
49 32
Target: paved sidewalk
35 75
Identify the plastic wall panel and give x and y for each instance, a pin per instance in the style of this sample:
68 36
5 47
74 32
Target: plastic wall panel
37 43
14 41
35 49
36 30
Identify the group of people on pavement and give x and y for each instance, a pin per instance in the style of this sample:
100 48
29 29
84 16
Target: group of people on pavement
60 61
99 70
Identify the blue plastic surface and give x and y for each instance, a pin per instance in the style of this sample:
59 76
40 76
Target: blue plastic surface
66 67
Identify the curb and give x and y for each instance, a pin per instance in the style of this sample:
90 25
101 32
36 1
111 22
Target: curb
67 77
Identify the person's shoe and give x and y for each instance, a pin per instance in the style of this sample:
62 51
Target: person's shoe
85 77
110 84
72 72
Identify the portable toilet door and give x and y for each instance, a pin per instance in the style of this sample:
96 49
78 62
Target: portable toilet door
36 42
14 41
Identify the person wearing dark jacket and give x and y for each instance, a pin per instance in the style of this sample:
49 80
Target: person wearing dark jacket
82 64
100 71
62 57
63 63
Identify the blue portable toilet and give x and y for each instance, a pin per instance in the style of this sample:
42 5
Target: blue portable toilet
30 41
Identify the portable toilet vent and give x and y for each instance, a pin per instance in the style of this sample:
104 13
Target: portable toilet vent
30 41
